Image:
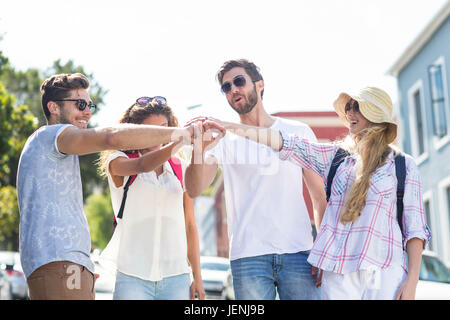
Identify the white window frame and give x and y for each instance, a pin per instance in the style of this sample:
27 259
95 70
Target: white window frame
418 86
441 142
444 218
428 196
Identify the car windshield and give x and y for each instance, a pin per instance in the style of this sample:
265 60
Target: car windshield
432 269
214 266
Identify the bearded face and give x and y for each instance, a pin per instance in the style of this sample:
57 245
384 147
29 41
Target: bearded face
244 103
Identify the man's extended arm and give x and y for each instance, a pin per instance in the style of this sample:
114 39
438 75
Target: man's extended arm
120 137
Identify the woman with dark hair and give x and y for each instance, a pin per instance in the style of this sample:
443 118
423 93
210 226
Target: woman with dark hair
155 244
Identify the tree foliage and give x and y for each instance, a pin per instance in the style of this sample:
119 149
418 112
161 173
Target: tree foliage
25 86
9 218
16 124
99 213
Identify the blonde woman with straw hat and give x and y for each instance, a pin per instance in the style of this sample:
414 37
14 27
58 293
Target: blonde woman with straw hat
359 246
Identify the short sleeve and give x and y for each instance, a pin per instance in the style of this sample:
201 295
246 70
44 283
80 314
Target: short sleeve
306 154
58 131
414 219
111 157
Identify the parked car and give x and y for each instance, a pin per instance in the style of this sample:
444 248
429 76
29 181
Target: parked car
14 276
104 285
434 278
214 275
5 291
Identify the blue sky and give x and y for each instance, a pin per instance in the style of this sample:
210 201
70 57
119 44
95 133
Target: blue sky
308 51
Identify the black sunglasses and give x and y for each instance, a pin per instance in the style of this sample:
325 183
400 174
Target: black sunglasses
143 101
354 106
82 104
239 81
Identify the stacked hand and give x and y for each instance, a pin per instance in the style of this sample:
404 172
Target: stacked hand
205 133
206 120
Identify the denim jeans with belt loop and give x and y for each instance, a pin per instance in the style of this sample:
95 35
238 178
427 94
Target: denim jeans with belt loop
262 277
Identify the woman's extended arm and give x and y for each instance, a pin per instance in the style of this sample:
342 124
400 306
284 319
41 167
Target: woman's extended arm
122 167
308 155
269 137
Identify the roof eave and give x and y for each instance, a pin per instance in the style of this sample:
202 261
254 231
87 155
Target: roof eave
419 42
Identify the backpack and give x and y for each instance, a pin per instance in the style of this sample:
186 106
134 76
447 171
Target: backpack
400 172
174 162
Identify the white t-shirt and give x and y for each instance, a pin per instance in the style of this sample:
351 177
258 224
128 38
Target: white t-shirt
266 212
150 240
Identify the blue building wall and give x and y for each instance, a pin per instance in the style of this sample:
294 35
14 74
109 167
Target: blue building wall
435 168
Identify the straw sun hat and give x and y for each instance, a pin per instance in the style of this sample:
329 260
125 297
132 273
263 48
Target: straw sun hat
374 104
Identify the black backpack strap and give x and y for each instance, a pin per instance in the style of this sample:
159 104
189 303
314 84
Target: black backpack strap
125 192
125 189
400 172
339 157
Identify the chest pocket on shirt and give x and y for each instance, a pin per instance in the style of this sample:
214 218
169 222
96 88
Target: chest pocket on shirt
383 184
341 179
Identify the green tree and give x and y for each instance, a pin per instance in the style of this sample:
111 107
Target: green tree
3 62
25 86
99 214
16 124
9 219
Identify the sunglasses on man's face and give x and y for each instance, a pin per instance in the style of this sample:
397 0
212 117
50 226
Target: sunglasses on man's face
143 101
82 104
352 106
239 82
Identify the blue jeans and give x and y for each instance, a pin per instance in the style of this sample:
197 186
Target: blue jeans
170 288
261 277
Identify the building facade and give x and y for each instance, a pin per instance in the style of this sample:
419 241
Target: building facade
422 73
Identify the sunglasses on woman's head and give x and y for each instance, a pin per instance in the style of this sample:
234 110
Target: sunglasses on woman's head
352 106
82 104
239 81
143 101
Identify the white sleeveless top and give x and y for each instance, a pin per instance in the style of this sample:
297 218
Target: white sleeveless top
150 240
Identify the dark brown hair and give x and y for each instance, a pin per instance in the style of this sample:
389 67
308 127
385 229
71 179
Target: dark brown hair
251 69
58 87
137 114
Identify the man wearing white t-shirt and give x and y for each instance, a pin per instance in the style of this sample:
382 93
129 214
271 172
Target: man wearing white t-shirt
268 223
